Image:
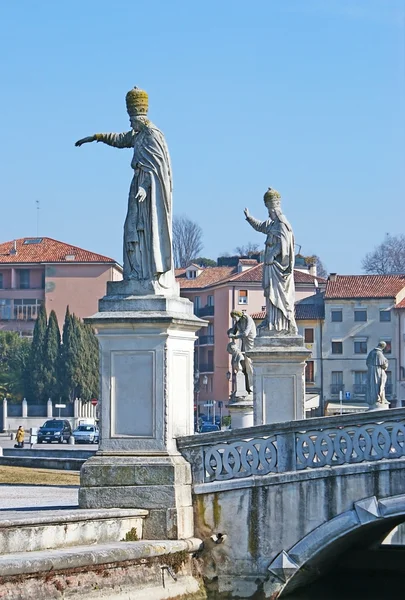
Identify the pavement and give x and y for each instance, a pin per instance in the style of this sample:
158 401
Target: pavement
5 442
38 497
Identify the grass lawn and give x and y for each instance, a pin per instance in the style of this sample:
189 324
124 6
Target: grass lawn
26 476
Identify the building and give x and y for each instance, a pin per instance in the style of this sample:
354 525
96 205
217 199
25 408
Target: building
40 270
360 312
215 292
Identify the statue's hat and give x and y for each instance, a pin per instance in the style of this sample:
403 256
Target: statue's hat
137 102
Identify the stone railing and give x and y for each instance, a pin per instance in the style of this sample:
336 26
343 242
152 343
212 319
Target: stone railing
296 445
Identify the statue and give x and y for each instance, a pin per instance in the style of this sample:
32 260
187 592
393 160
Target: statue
148 258
245 330
377 365
278 267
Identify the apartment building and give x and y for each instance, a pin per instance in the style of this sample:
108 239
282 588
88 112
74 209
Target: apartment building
215 291
41 270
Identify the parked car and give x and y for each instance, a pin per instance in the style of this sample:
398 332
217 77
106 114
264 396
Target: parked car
207 427
55 430
86 434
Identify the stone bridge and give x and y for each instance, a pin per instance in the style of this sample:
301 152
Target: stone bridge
293 498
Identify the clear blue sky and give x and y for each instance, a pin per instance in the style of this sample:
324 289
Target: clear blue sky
306 96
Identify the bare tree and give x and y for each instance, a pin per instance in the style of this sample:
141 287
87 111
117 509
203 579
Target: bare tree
248 249
320 267
187 241
386 258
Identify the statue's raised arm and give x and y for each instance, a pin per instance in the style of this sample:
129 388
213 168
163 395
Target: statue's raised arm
148 257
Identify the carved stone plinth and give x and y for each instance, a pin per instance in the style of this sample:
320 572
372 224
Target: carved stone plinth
278 378
241 411
146 368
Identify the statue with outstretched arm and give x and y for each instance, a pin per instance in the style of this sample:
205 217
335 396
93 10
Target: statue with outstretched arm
278 266
148 256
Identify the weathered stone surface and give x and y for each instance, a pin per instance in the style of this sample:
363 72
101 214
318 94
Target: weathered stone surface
367 510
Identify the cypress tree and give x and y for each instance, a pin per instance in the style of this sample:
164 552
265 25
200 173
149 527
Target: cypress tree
51 358
35 364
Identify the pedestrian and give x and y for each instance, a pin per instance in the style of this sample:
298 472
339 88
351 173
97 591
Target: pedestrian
20 437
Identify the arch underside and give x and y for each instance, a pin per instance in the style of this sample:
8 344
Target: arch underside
369 522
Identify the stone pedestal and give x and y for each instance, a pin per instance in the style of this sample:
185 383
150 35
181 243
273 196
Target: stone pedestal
146 400
278 378
380 406
241 411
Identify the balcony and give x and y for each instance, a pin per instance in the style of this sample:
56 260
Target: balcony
336 388
206 340
206 311
206 368
359 389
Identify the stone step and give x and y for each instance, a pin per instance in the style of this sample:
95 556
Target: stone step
156 569
30 531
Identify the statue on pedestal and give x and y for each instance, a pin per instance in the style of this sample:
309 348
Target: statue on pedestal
377 365
148 259
278 267
244 330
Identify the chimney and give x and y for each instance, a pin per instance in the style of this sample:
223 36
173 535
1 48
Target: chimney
332 276
13 250
312 269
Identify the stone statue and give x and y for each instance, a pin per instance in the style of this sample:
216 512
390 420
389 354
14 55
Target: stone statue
148 259
377 365
245 330
278 266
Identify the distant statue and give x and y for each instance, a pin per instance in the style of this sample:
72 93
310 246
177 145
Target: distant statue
244 329
377 365
278 266
148 258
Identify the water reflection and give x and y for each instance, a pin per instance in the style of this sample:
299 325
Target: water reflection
347 584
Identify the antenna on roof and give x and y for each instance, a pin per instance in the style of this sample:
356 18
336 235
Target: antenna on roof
37 203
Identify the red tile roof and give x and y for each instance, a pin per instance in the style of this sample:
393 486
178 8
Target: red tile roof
259 315
209 276
303 312
365 286
401 304
46 251
255 274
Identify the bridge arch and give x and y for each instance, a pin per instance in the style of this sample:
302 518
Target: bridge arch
371 519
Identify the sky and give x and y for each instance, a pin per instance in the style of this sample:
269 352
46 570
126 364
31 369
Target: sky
305 96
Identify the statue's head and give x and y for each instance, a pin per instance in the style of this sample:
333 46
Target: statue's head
272 200
382 345
137 107
236 314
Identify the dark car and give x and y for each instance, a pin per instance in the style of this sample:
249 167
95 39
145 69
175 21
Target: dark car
207 427
55 430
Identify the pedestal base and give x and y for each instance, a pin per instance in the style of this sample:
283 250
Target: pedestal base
241 411
278 378
160 484
379 406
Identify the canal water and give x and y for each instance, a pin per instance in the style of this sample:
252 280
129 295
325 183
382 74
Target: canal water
348 584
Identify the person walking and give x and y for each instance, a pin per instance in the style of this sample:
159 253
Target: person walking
20 437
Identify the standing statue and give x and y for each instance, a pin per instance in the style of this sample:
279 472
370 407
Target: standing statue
278 266
244 329
148 258
377 365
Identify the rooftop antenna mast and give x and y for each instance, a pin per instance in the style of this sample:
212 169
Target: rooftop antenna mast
37 203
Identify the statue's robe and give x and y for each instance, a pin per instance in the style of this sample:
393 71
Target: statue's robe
376 376
278 273
148 225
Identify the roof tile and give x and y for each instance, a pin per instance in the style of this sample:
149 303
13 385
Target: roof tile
46 251
364 286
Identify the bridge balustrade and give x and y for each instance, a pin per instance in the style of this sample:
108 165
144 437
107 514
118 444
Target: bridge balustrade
296 445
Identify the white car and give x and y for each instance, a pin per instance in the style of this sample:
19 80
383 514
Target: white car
87 434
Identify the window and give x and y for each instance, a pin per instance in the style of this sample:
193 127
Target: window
243 297
32 241
24 275
388 384
336 316
1 281
26 309
210 300
360 347
385 315
309 336
360 383
5 309
360 315
337 347
309 372
388 348
197 303
337 382
191 274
